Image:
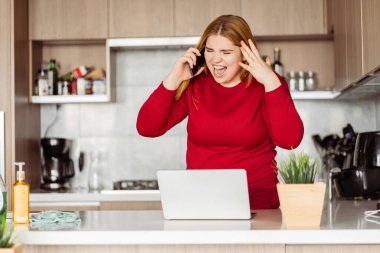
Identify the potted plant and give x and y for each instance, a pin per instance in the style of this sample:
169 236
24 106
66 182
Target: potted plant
301 199
6 238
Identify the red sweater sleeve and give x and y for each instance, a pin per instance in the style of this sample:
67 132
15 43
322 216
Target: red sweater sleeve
161 112
284 124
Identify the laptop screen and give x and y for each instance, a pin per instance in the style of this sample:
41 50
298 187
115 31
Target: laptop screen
204 194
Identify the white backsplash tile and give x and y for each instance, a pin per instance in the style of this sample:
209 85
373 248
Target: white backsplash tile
60 121
144 68
112 126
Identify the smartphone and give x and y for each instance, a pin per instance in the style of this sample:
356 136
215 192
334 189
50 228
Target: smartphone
200 61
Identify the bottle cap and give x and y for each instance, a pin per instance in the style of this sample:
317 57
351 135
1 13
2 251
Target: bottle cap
20 173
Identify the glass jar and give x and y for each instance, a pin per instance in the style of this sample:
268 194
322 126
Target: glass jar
292 78
96 171
301 81
311 81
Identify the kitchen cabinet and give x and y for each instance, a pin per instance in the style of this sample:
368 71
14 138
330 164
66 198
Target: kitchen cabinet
291 17
68 19
130 205
192 17
339 24
21 143
143 18
356 39
331 248
371 34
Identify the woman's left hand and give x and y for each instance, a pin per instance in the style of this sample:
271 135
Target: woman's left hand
259 69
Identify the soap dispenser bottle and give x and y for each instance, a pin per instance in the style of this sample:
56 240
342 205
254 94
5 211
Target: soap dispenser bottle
20 197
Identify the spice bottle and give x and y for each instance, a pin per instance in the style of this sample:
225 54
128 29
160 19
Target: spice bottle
292 80
301 81
311 81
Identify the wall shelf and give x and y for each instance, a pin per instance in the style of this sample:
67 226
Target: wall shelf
317 95
69 54
70 99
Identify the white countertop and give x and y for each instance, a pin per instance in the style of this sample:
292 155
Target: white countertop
343 222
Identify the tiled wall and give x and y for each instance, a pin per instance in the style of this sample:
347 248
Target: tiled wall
110 127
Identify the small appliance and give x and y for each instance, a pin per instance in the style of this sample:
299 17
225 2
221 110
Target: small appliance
361 178
57 166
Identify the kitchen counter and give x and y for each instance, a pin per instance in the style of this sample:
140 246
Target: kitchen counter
343 222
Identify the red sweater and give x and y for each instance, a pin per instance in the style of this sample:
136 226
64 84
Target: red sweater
235 127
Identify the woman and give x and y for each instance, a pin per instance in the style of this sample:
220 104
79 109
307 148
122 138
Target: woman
239 110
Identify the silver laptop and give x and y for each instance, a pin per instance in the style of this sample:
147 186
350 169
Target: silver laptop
204 194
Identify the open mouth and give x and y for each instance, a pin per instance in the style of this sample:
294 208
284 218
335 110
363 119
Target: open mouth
219 70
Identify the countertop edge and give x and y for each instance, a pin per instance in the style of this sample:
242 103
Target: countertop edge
289 237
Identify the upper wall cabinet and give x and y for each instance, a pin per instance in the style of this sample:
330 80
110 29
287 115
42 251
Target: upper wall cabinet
356 39
192 17
143 18
290 17
339 24
68 19
371 34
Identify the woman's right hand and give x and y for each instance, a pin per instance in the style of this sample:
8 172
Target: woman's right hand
182 69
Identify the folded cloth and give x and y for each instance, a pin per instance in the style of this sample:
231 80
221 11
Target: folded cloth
54 220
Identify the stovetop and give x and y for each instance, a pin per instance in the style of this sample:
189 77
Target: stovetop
135 185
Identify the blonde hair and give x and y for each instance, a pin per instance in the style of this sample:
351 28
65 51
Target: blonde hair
232 27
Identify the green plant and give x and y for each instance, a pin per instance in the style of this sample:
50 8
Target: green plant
6 232
298 169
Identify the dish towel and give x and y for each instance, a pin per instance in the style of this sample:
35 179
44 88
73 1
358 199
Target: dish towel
54 220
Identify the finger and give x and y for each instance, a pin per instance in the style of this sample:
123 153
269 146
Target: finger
253 48
247 57
191 56
194 51
248 50
187 60
244 66
267 61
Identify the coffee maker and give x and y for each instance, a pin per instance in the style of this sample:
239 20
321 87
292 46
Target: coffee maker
57 166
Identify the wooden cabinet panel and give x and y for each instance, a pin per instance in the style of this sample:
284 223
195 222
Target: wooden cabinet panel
168 248
278 17
331 248
192 17
21 142
143 18
67 19
6 92
340 42
354 40
371 34
131 205
317 56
